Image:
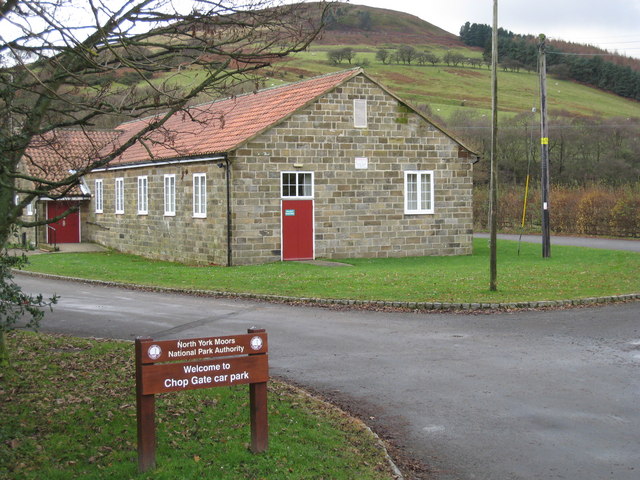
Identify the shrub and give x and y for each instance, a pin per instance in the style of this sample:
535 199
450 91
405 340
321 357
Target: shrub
592 210
625 215
564 204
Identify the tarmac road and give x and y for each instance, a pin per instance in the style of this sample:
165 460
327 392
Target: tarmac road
631 245
527 395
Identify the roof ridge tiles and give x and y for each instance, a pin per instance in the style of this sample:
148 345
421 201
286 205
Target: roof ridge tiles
223 125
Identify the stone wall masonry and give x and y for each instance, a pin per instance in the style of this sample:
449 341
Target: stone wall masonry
181 237
358 213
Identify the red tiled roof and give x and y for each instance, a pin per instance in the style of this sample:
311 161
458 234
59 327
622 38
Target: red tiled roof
51 156
208 129
223 125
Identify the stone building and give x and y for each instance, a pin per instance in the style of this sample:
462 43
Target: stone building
332 167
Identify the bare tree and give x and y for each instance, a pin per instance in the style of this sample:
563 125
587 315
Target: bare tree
61 62
431 57
383 55
406 54
337 56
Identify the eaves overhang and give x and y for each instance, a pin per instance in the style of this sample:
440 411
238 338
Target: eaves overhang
173 161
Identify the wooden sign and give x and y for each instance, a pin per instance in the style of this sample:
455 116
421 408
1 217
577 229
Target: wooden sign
187 364
173 377
158 351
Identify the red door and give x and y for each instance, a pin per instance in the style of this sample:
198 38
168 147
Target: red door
297 230
66 230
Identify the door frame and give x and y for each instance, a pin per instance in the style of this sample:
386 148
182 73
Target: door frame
302 189
313 229
76 214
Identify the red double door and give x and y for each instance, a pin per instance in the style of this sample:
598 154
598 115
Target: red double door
66 230
297 230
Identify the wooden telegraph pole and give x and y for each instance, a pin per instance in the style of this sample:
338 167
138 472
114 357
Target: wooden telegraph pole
544 145
493 262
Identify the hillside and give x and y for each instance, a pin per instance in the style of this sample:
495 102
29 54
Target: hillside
361 25
586 50
442 89
445 89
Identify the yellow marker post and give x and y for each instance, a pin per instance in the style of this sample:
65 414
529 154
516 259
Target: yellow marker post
526 195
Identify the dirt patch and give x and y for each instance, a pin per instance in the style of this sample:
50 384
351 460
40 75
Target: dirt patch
465 72
399 78
334 37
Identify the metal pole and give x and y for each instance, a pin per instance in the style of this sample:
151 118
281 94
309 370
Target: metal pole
493 187
544 145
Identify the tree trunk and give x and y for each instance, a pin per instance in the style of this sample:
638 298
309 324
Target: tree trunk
5 363
8 212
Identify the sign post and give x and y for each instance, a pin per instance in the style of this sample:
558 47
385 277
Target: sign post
146 412
188 364
258 408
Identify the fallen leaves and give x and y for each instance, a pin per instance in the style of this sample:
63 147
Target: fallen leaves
72 409
13 443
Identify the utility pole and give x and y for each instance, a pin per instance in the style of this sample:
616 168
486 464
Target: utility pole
544 145
493 184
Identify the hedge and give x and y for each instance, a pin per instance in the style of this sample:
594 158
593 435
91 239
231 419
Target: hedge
591 210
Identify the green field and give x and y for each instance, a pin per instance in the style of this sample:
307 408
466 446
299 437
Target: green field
445 88
571 273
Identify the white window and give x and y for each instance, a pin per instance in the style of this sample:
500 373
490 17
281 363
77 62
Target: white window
120 195
99 197
418 192
360 113
297 184
169 195
143 198
199 195
29 209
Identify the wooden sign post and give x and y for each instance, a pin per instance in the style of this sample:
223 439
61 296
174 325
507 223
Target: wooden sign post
187 364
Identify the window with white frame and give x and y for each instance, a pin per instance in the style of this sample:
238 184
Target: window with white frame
98 196
119 195
297 184
360 113
29 209
170 195
418 192
143 197
199 195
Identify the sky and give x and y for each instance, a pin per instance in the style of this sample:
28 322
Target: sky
610 24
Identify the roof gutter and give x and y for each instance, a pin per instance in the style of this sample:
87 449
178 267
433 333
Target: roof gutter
73 198
159 163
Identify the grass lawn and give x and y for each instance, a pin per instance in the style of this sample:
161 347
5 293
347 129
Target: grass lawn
570 273
69 412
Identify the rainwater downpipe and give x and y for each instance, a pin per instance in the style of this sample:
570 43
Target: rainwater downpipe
229 219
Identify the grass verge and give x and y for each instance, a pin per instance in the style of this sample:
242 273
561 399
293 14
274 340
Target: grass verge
571 273
69 411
